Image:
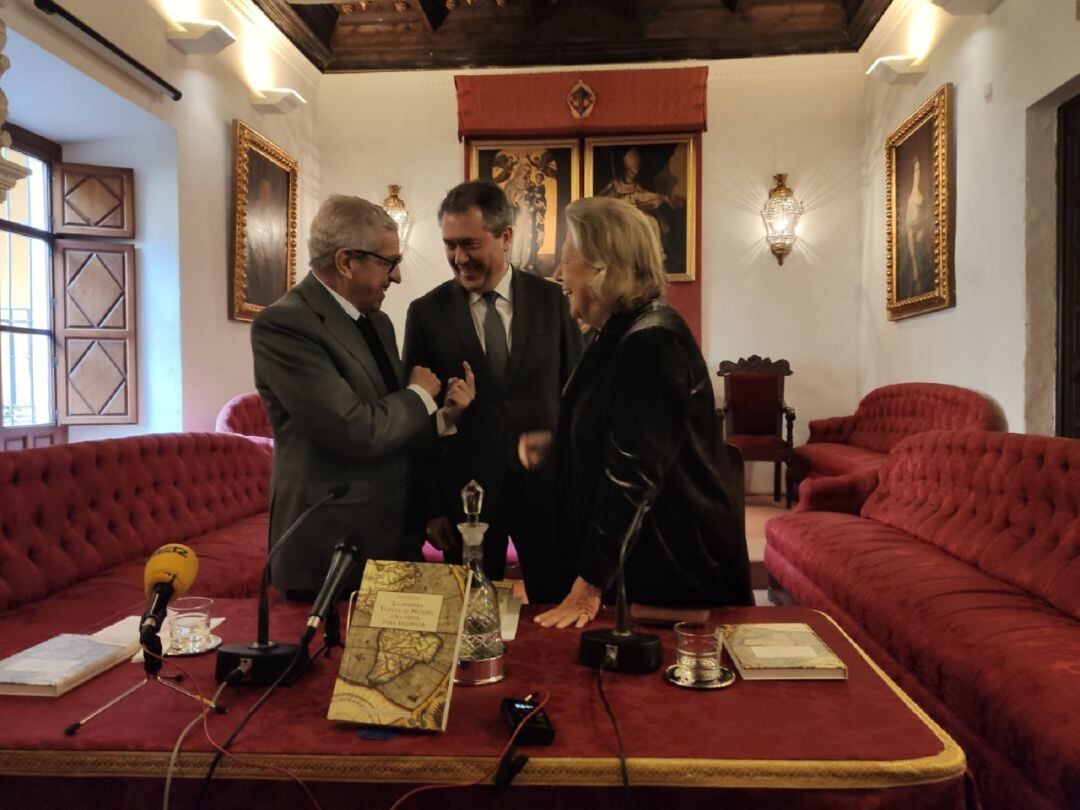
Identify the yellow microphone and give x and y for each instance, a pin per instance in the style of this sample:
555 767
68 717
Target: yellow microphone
169 572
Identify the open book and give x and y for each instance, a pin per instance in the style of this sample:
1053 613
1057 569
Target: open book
56 666
401 646
781 651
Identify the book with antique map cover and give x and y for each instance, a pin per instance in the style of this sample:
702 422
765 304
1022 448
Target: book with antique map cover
401 646
781 651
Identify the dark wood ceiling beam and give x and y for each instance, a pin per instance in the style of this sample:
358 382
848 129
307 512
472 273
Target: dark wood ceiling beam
862 22
434 13
850 8
292 26
536 11
731 5
628 9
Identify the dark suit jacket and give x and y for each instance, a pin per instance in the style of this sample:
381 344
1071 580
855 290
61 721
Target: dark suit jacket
638 419
334 422
545 344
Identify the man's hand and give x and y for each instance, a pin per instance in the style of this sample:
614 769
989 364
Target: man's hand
578 608
425 379
534 448
440 533
459 394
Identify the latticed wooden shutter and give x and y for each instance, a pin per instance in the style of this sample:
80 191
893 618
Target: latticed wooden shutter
93 201
94 285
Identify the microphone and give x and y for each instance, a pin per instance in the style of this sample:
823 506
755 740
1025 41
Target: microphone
263 660
621 649
169 572
341 564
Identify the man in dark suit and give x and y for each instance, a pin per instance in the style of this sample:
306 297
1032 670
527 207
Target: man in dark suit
327 367
515 331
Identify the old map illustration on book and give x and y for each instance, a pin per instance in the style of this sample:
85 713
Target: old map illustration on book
781 651
401 646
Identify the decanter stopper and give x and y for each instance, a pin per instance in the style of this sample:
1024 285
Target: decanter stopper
472 501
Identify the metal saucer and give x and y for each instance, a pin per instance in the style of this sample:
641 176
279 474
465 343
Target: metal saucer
727 678
212 643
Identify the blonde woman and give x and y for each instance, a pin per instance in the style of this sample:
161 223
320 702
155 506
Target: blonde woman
636 423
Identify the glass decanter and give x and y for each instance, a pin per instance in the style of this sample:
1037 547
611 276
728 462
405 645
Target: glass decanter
481 637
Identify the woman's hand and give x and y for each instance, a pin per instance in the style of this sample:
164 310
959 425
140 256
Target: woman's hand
534 448
578 608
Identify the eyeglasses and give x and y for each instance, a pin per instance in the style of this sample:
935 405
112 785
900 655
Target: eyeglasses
390 263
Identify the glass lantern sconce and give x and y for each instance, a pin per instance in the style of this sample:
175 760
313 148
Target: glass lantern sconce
395 207
781 214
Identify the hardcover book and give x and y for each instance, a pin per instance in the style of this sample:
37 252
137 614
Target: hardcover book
401 646
781 651
56 666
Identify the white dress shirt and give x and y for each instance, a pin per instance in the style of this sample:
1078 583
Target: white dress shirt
504 305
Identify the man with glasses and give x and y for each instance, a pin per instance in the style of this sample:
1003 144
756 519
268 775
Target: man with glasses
515 330
345 419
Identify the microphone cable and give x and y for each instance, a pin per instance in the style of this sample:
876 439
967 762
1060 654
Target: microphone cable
222 749
610 659
490 771
175 756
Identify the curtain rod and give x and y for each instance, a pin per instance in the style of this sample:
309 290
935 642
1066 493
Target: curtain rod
144 73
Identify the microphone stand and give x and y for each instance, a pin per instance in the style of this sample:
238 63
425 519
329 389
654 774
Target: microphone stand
265 661
150 643
621 649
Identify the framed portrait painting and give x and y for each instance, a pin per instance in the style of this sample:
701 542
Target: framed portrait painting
264 223
920 213
658 175
541 178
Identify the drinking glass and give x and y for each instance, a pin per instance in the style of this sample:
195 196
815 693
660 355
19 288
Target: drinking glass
189 625
697 651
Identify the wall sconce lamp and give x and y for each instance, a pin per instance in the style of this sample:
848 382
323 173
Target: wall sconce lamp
203 37
276 100
781 214
961 7
897 69
395 207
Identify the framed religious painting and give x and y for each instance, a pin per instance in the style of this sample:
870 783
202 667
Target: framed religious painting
658 175
541 178
264 223
920 213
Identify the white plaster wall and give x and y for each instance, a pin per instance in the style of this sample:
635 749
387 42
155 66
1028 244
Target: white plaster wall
216 358
1000 64
800 115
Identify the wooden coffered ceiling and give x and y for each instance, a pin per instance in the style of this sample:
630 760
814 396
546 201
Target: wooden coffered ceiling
410 34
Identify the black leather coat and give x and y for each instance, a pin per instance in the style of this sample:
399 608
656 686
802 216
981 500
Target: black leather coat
637 421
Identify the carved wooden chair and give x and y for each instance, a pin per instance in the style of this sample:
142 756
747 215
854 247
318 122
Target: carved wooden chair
753 414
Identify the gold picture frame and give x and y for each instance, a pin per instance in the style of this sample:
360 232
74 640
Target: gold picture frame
264 223
541 177
657 174
919 211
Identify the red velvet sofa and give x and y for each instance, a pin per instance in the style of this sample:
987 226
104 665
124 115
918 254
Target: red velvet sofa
245 415
956 565
78 522
848 444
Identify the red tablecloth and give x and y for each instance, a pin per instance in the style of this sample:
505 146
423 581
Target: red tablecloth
858 742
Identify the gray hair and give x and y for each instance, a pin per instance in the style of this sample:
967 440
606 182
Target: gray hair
492 201
617 238
344 222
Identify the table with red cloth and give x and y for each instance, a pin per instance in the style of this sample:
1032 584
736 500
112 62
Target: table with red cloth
762 744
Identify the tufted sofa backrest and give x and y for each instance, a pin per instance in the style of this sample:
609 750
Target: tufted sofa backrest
893 412
71 511
244 414
1006 503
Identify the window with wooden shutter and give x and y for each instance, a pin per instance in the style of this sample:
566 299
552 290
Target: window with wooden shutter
94 284
93 201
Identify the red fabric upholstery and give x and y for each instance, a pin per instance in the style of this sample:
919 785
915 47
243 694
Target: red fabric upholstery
964 566
754 403
826 458
838 493
246 415
758 447
1003 502
73 512
848 444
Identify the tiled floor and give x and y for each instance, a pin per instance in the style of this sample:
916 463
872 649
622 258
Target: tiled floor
760 509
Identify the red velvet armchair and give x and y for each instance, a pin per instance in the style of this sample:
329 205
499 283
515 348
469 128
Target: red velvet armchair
754 412
245 415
